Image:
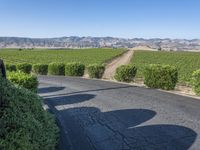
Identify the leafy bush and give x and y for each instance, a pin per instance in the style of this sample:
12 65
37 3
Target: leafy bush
25 67
161 76
25 125
196 81
25 80
56 69
74 69
96 71
41 69
11 67
125 73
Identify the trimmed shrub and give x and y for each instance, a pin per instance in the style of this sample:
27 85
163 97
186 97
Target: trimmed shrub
196 82
41 69
56 69
96 71
161 76
25 80
74 69
126 73
25 125
11 67
25 67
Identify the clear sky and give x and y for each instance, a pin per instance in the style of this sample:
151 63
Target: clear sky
117 18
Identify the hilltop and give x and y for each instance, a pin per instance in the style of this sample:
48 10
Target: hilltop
99 42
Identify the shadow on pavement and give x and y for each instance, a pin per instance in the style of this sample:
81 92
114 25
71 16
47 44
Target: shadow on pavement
90 128
118 129
49 89
64 120
69 99
95 90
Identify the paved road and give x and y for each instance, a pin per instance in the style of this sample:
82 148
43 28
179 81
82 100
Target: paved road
109 116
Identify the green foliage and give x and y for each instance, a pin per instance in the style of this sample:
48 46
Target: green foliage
95 70
56 69
24 67
125 73
74 69
41 69
11 67
196 81
161 76
25 80
186 62
45 56
25 125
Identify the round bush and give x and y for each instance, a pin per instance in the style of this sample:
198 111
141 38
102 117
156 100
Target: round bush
56 69
24 67
96 71
25 80
196 82
25 125
161 76
11 67
41 69
125 73
74 69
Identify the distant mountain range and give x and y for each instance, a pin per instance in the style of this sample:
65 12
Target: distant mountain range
90 42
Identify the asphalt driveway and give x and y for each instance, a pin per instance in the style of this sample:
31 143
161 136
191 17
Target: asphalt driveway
94 114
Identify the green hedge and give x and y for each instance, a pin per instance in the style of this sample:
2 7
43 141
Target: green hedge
125 73
161 76
96 71
74 69
11 67
56 69
24 67
25 80
196 82
24 124
41 69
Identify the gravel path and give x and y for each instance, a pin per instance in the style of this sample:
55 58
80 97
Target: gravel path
100 115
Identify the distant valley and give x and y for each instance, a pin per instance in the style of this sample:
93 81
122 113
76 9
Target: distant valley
99 42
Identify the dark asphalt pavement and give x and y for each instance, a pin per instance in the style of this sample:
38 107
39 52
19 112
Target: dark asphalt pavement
101 115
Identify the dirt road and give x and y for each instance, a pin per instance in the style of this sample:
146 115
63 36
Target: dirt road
122 60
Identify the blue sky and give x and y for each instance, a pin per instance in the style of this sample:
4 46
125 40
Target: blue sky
117 18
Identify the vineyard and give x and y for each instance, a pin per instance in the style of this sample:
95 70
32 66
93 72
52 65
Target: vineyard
186 62
86 56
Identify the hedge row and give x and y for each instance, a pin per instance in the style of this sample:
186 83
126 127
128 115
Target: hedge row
25 125
74 69
24 67
25 80
155 76
56 69
96 71
41 69
161 76
70 69
125 73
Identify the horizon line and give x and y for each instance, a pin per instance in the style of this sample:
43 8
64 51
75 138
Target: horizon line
99 37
